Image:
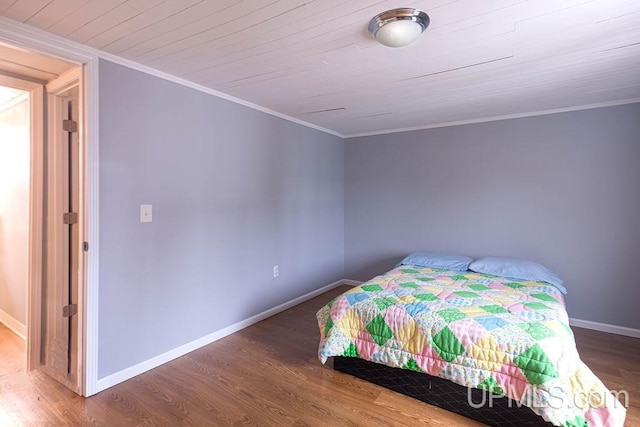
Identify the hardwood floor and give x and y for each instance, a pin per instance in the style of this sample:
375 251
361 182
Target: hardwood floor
268 374
12 352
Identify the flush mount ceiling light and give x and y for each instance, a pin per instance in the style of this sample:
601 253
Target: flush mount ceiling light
398 27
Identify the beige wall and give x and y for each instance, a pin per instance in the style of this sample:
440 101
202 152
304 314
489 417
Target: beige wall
14 209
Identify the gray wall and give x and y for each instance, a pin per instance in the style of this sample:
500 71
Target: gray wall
562 190
234 192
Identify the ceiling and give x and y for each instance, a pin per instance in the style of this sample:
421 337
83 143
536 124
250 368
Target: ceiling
314 61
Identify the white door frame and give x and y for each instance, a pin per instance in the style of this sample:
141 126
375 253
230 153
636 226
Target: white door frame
36 217
15 34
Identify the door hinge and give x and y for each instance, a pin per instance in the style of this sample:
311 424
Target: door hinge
85 246
70 310
70 218
69 126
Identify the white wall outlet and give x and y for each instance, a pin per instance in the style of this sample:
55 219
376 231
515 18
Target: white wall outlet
276 271
146 213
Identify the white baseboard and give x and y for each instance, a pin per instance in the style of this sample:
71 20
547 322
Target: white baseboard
604 327
19 328
128 373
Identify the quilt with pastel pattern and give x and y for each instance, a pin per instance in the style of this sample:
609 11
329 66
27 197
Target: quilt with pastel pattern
508 336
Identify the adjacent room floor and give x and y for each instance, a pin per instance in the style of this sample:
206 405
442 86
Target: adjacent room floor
267 374
12 352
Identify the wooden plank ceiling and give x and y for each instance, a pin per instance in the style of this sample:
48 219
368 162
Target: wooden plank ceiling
313 59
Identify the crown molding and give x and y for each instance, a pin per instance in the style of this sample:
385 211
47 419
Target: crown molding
17 34
498 118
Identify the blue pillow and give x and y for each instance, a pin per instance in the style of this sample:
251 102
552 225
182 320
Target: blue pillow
517 269
436 260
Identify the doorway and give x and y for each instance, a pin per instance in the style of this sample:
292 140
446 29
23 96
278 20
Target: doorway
15 168
50 219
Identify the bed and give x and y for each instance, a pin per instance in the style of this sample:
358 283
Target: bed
474 331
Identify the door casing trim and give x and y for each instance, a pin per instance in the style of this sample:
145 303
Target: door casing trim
21 36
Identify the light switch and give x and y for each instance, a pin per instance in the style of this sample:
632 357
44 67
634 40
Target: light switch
146 213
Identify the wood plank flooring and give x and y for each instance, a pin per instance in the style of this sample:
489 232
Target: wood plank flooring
268 374
12 352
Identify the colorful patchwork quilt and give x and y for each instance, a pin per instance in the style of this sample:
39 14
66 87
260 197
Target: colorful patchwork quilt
507 336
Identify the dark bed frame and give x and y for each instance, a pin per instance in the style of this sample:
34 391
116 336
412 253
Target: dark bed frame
442 393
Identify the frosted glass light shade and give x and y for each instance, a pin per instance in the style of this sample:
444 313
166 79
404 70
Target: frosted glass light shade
399 33
398 27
